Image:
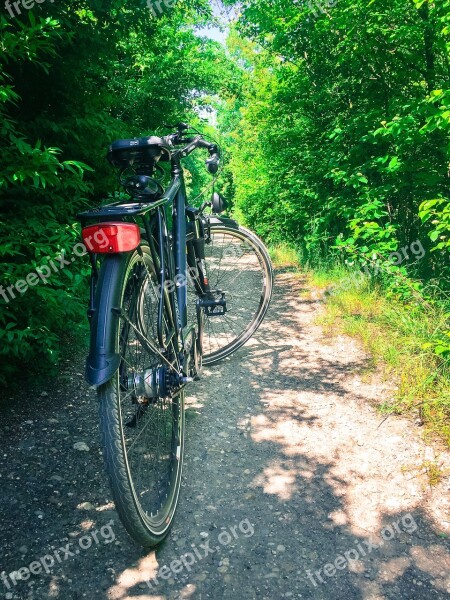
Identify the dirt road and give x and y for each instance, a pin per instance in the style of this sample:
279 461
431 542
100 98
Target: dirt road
292 488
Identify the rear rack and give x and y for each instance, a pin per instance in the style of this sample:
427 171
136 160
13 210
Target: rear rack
132 209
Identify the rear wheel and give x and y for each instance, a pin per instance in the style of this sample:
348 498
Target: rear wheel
141 418
239 265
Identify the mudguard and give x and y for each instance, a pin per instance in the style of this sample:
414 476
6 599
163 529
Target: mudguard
226 221
103 360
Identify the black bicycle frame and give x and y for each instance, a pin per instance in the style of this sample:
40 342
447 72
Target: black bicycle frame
188 245
179 243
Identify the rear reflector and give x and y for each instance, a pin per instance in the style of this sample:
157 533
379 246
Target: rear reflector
110 238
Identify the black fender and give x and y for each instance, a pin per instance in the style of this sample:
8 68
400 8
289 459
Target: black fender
103 360
226 221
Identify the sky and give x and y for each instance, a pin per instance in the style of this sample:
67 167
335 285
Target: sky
224 15
219 35
214 33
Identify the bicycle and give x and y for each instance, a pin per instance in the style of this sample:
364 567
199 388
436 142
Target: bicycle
163 302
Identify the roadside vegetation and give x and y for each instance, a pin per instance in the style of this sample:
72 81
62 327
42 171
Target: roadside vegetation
340 158
393 332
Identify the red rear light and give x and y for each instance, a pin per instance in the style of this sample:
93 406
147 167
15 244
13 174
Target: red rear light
110 238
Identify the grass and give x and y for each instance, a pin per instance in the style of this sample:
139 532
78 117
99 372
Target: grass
430 470
395 334
284 256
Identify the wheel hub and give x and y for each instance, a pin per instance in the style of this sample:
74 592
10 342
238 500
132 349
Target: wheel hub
156 383
150 384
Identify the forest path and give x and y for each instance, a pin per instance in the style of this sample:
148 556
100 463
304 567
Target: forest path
294 487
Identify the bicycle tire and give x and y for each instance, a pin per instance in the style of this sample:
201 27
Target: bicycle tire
239 235
132 500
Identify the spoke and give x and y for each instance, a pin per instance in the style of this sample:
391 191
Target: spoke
230 257
155 427
139 435
145 342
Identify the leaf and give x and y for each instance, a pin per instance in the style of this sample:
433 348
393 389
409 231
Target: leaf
393 162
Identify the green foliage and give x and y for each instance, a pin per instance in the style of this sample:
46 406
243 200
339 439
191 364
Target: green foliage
438 213
73 77
342 130
340 148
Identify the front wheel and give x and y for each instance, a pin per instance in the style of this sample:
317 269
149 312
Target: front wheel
141 418
239 265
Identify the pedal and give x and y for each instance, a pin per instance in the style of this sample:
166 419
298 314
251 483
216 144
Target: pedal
215 305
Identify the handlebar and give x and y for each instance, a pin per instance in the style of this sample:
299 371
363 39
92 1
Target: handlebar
191 144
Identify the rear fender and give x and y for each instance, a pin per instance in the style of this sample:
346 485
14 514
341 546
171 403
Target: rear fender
215 220
103 360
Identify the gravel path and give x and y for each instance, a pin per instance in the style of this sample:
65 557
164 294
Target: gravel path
293 486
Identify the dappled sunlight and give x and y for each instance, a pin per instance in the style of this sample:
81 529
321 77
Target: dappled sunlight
144 597
338 517
370 590
304 391
145 570
435 560
283 435
193 403
356 566
187 591
394 568
345 462
282 341
267 428
125 590
277 480
53 588
107 506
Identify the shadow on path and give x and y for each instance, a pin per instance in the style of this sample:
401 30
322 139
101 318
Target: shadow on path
287 479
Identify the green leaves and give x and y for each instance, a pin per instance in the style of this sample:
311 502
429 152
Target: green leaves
393 164
436 214
70 83
441 345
